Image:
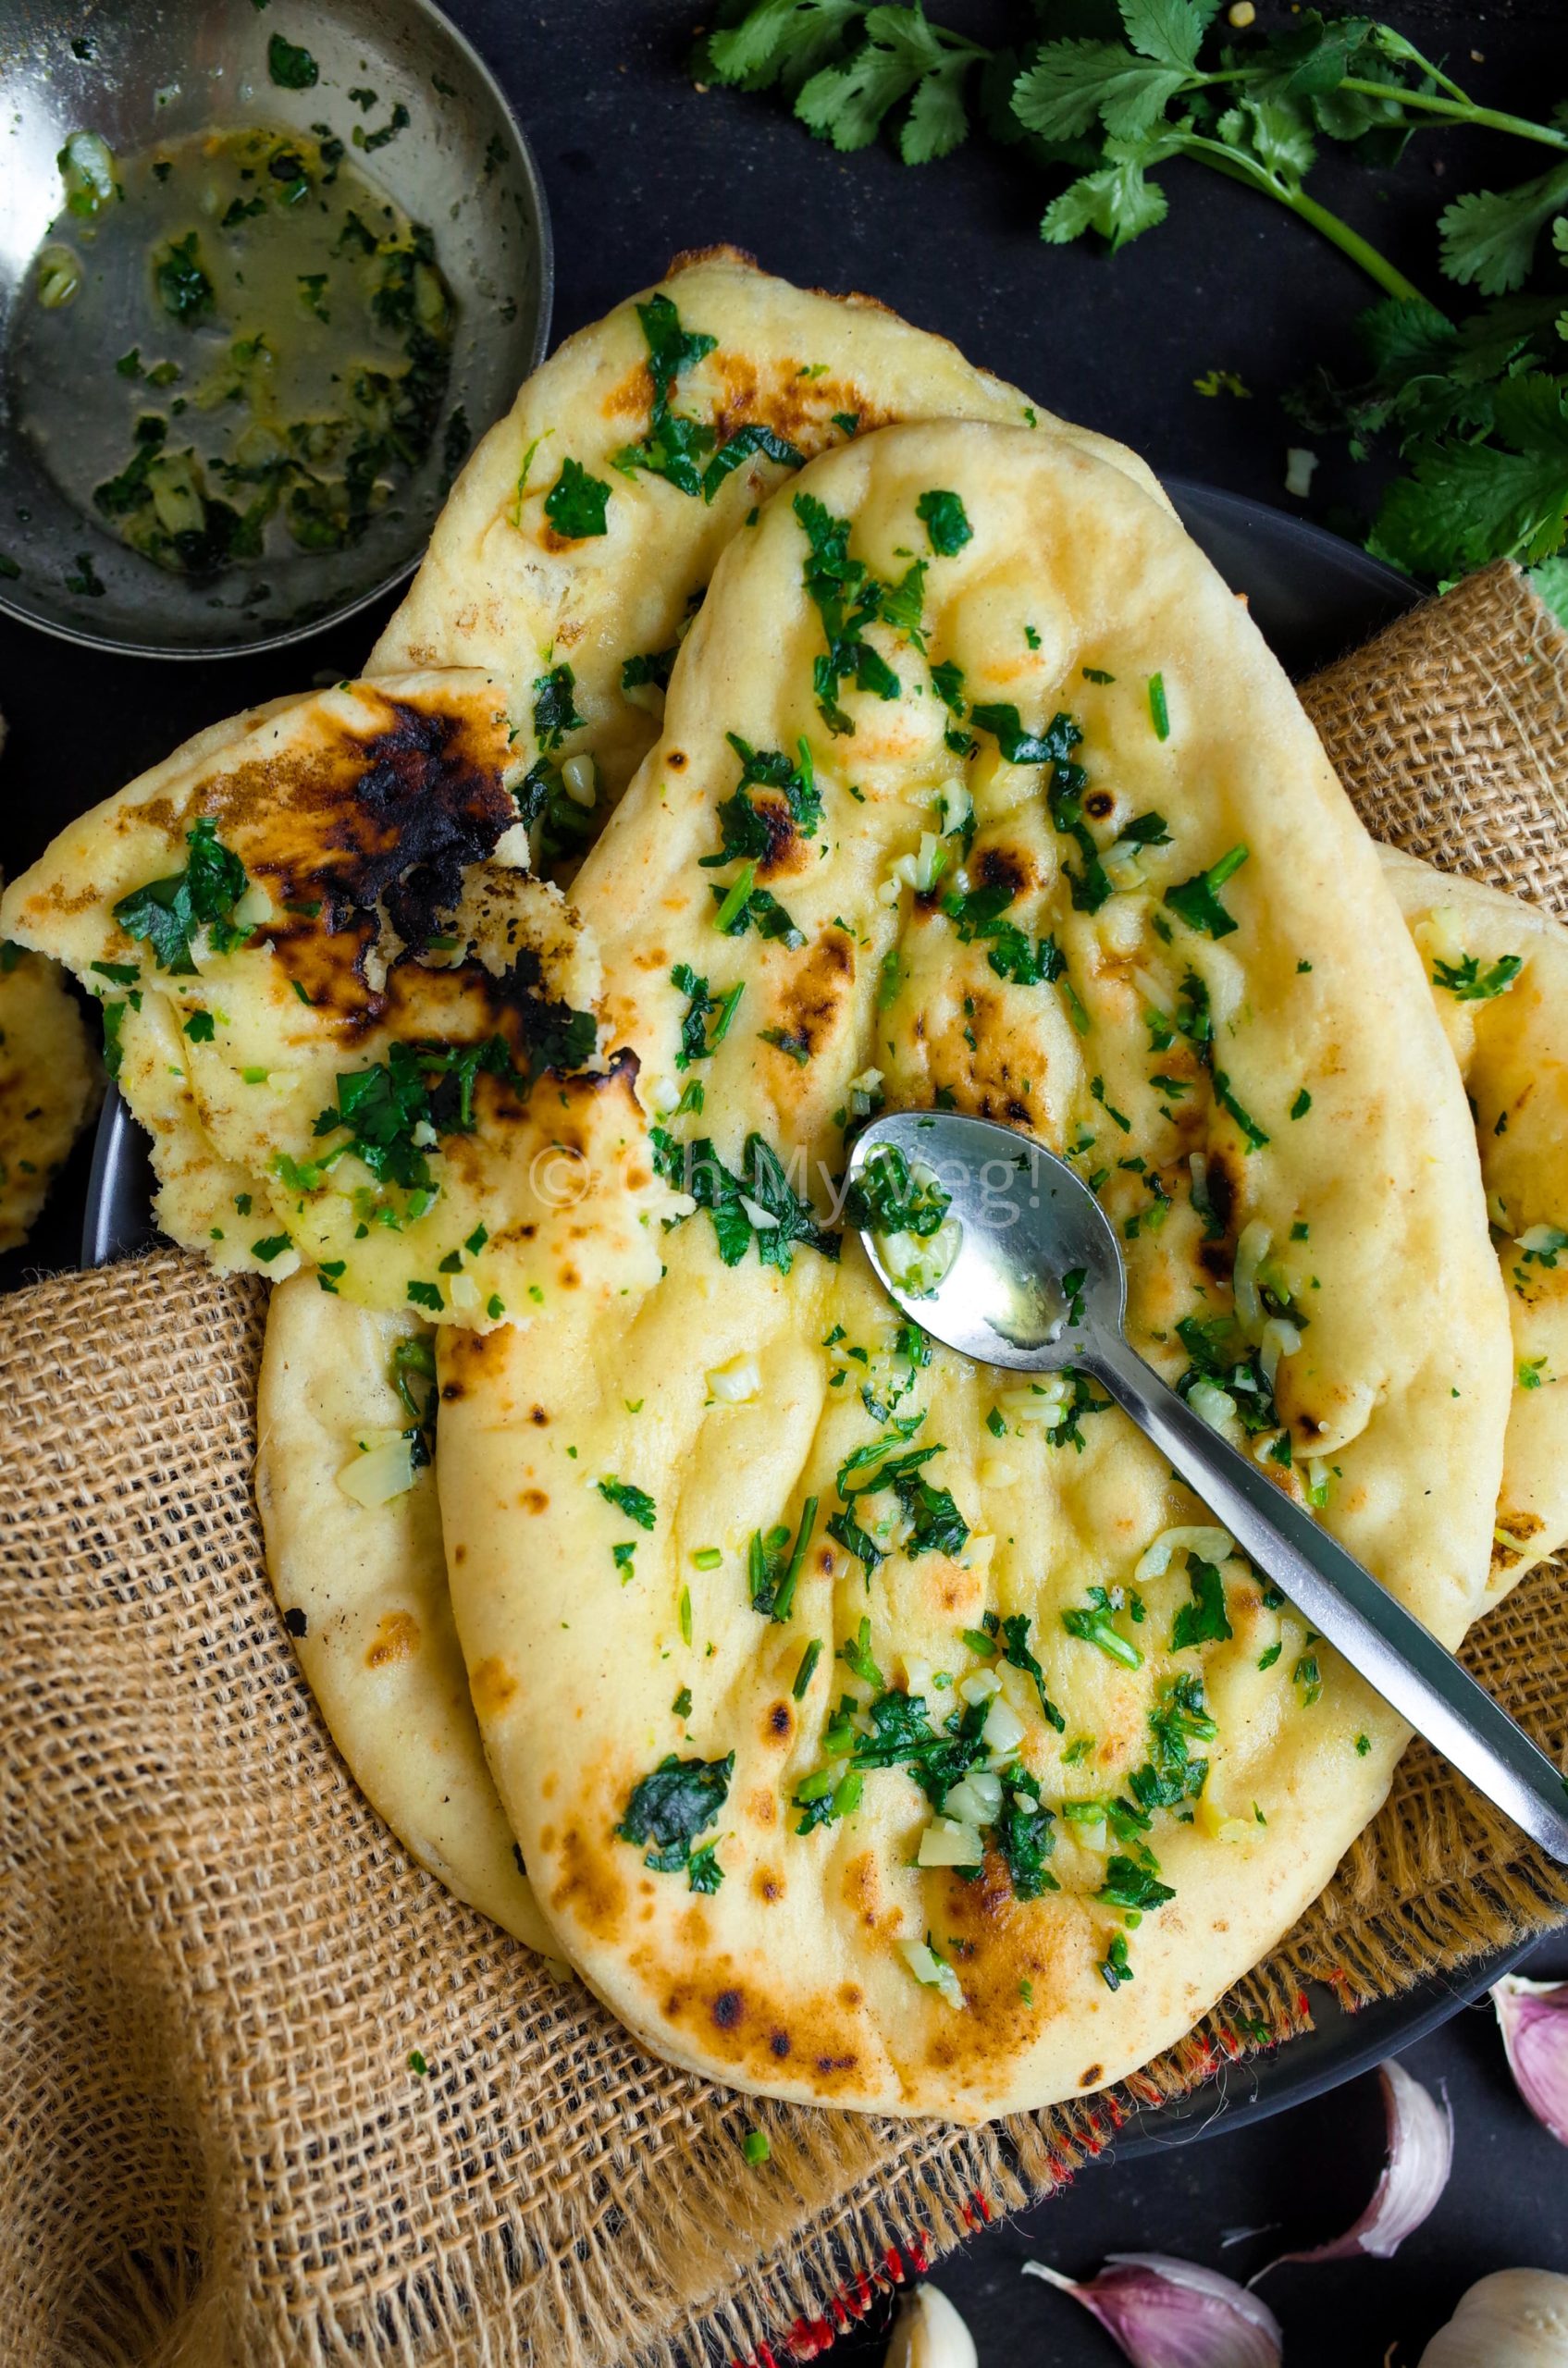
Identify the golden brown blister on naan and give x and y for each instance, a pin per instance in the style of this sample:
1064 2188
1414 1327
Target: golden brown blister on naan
1509 1029
503 587
603 1481
376 900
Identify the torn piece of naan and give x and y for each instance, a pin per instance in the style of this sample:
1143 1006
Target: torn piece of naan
877 1730
361 1033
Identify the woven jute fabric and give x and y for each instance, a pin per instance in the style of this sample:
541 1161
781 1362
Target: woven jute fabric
271 2096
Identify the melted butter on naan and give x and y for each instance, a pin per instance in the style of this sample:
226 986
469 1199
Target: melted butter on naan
602 1489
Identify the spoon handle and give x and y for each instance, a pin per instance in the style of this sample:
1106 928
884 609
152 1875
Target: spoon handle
1416 1675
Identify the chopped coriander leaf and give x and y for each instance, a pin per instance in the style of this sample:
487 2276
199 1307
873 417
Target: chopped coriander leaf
755 829
1016 1652
1159 713
681 1705
1053 747
1467 982
1530 1372
1031 638
888 1197
847 598
200 1028
771 1577
576 504
167 914
742 906
674 445
477 1241
427 1295
1096 1625
798 1046
291 67
555 711
804 1674
945 521
856 1655
996 1423
1307 1675
651 666
847 420
1204 1619
272 1247
698 1043
1255 1136
1025 1835
1363 1744
758 1205
1115 1967
1196 901
1267 1657
1097 1087
744 445
947 680
636 1503
1222 1354
1128 1885
495 1307
670 1808
1095 674
756 2146
1301 1104
624 1557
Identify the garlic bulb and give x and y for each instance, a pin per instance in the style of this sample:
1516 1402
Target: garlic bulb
1533 2016
1168 2313
928 2333
1516 2318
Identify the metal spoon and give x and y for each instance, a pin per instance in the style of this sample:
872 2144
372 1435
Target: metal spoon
1025 1221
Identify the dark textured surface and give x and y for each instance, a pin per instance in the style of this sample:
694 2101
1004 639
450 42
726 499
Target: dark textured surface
638 165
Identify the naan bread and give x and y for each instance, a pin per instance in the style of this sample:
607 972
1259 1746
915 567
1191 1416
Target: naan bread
617 1490
1500 973
362 1591
320 1355
506 587
50 1083
360 1034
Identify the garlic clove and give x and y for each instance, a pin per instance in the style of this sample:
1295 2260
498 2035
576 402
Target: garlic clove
1516 2318
1419 2160
1168 2313
929 2333
1533 2016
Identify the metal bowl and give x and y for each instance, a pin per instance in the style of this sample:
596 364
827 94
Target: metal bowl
144 70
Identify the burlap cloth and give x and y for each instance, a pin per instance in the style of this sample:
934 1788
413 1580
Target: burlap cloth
215 1964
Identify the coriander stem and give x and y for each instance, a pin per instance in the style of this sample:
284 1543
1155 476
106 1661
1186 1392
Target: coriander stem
1237 167
1489 118
1361 251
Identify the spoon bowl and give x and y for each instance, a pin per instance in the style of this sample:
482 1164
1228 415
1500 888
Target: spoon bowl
996 1248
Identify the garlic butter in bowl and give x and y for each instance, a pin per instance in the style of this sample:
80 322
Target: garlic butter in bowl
263 279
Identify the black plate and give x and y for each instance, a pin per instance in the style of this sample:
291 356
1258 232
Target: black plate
1313 596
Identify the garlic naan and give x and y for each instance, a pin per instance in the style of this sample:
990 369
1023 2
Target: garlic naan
976 788
1498 970
360 1034
586 524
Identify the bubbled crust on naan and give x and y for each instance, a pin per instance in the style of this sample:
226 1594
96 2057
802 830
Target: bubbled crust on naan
789 1979
1512 1053
501 589
362 1590
50 1085
371 815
